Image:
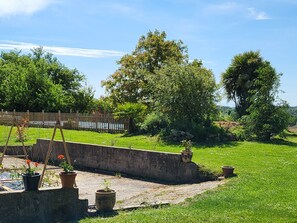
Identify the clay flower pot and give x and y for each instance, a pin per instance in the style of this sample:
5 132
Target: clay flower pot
67 179
105 200
228 171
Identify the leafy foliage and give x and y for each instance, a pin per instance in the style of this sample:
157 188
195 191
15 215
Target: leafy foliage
64 164
130 82
238 79
253 84
154 123
135 112
293 114
185 94
38 81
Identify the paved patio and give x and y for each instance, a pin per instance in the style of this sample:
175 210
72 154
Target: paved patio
130 192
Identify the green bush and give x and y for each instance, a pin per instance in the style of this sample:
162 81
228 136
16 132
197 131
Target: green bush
154 123
237 133
178 136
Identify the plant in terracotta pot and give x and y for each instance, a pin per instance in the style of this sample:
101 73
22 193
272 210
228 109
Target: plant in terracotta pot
67 175
105 198
228 171
186 154
30 176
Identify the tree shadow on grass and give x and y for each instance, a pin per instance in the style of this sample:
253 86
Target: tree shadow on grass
282 142
225 144
202 145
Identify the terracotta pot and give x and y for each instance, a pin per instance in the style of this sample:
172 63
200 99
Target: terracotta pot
67 179
228 171
31 181
105 200
186 155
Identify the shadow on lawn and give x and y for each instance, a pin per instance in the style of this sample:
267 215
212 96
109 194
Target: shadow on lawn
225 144
103 214
282 142
201 145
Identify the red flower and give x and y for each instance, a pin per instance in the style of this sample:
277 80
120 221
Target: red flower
61 157
36 164
28 162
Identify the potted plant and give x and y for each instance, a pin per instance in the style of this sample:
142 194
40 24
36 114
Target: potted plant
68 175
30 177
186 154
105 198
228 171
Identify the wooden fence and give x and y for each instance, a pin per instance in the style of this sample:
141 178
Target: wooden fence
96 122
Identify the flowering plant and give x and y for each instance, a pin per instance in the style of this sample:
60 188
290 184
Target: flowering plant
64 164
187 144
28 169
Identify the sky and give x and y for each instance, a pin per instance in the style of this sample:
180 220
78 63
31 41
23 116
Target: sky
92 35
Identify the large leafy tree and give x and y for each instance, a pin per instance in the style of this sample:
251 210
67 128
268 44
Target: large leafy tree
267 116
253 85
185 93
39 81
129 83
238 79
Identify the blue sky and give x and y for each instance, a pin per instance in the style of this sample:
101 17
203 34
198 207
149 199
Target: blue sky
91 35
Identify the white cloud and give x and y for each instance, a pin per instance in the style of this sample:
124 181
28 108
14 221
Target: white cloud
223 8
63 51
22 7
235 8
258 15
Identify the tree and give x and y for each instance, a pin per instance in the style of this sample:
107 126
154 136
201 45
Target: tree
38 81
185 93
239 77
129 83
266 119
253 85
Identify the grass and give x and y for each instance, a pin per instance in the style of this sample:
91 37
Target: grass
139 142
263 191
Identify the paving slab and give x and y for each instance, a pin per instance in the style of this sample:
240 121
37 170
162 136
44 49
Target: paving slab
129 192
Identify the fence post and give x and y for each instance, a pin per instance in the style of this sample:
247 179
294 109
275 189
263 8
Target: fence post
108 123
96 121
77 119
28 115
43 118
59 117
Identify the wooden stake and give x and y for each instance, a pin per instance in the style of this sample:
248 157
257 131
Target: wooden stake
50 148
20 136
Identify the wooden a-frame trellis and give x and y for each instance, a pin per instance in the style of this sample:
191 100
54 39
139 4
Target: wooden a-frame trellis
50 147
14 124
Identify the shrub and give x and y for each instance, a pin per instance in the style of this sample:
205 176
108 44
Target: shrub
178 136
154 123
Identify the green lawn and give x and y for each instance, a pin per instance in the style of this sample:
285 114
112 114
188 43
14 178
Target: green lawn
263 191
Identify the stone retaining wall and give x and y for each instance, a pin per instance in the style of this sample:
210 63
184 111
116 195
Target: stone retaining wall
43 206
161 166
